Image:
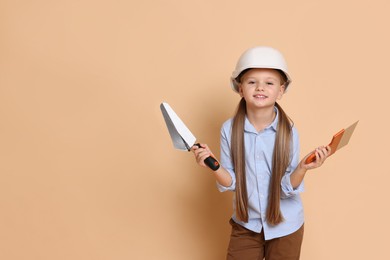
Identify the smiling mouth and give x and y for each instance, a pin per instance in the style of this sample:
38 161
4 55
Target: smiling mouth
259 96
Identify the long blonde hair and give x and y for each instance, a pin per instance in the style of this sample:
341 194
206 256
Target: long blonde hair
280 162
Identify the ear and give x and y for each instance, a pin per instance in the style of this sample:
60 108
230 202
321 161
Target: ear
240 90
281 91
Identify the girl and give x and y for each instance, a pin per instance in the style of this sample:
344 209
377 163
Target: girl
260 162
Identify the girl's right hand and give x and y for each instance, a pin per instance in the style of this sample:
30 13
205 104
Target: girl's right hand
201 153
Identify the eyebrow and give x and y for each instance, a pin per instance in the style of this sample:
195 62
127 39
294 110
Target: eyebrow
268 78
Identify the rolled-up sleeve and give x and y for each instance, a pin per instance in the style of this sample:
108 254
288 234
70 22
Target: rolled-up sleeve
287 188
226 161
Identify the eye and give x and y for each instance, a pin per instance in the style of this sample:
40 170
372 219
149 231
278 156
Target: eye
270 83
251 82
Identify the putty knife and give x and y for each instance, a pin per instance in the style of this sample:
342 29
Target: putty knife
339 140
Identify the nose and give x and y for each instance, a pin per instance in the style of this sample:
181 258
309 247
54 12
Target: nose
260 86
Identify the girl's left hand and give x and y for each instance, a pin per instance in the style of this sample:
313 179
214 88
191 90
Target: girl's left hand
321 153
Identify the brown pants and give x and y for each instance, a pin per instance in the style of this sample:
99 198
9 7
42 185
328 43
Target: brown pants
248 245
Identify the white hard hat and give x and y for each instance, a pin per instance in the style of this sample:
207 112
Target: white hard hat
260 57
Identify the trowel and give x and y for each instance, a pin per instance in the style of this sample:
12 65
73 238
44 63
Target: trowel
181 136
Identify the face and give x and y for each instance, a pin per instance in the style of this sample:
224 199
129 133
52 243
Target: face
261 87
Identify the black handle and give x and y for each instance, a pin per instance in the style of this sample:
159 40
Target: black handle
210 161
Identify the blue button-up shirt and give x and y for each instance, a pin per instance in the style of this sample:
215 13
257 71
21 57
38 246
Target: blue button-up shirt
259 148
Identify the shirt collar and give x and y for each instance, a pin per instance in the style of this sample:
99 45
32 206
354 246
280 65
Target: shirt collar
248 127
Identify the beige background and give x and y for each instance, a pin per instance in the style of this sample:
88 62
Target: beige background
87 168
